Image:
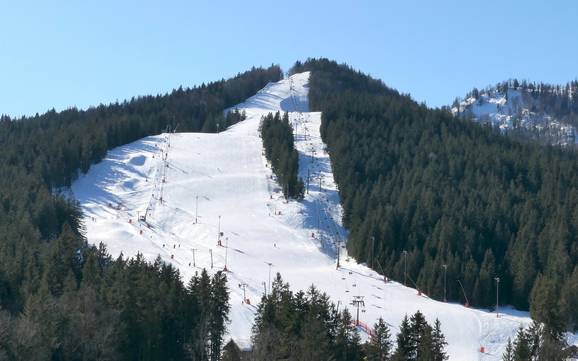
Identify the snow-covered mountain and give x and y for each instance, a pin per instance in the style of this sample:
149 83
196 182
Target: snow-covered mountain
192 186
539 112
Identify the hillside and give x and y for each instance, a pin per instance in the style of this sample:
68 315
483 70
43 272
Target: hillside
542 112
64 299
238 195
423 187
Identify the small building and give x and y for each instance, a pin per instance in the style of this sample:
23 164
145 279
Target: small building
232 352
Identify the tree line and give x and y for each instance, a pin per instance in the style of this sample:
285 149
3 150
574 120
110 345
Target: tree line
444 194
306 326
278 142
62 299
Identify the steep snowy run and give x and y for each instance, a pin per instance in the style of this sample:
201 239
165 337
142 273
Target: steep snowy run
516 109
192 186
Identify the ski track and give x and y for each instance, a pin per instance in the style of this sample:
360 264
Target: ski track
231 177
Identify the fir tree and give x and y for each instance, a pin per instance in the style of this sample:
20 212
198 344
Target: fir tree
380 346
508 354
438 343
405 349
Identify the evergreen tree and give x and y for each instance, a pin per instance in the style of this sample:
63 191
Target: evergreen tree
509 352
219 304
522 346
438 343
380 346
306 326
405 349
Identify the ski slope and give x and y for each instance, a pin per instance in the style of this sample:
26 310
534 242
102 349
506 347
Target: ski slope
222 182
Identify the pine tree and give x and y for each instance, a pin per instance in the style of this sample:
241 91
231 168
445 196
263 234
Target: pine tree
380 345
438 343
346 343
420 336
508 354
405 349
219 311
544 303
522 346
425 346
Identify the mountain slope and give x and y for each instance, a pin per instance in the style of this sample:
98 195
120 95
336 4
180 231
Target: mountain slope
229 175
536 111
424 191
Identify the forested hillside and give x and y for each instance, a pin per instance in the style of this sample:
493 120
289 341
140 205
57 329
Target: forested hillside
62 299
278 143
450 193
554 99
542 112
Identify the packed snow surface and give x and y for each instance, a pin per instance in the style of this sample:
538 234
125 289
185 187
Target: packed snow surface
190 185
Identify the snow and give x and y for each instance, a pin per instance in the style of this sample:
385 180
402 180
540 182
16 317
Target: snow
230 177
512 109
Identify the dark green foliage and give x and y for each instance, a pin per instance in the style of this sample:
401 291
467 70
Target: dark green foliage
300 326
64 300
418 341
539 343
449 192
307 327
278 142
380 346
125 310
438 343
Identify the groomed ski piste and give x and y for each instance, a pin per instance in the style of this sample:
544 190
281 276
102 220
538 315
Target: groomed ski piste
192 186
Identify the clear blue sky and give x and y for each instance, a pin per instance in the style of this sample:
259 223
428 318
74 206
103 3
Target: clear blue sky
81 53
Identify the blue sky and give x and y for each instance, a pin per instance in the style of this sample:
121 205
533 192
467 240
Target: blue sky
81 53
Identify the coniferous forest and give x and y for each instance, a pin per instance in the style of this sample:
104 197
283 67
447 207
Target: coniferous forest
61 299
306 326
556 100
450 193
278 142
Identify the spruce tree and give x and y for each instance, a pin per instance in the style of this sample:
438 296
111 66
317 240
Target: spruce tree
380 345
508 354
219 313
405 349
438 343
522 346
